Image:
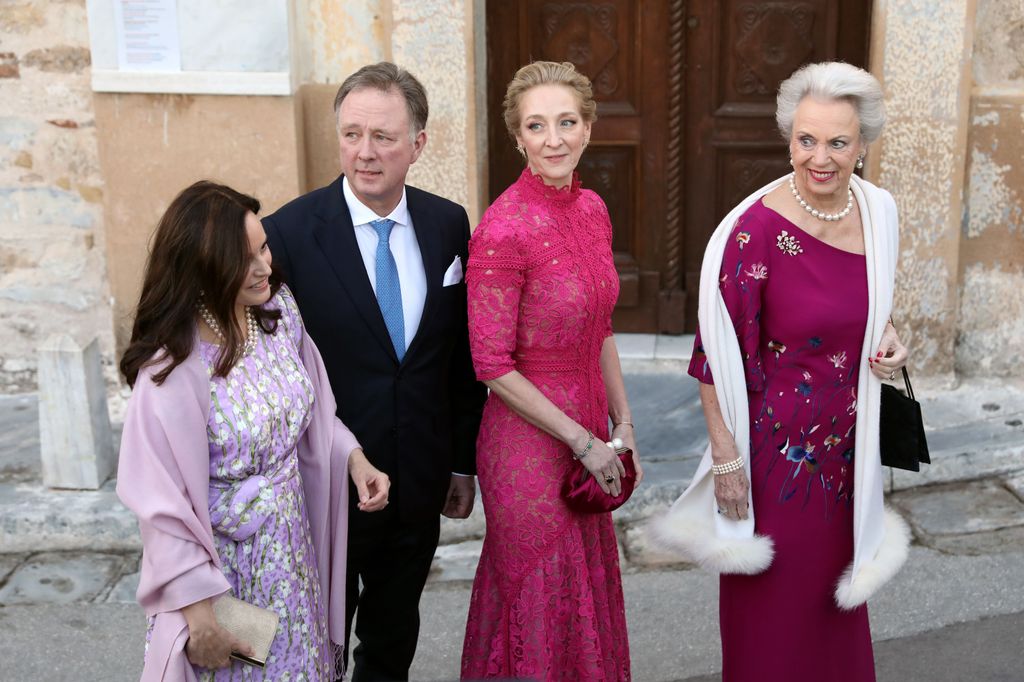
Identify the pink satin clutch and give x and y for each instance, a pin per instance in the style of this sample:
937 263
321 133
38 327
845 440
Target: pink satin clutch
581 492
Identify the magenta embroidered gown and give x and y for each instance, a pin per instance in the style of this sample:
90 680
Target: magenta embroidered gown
800 310
547 599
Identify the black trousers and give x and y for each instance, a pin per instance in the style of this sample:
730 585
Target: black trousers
392 560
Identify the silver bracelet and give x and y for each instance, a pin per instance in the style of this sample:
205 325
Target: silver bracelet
586 450
728 467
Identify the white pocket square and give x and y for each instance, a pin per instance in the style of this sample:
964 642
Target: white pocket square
454 273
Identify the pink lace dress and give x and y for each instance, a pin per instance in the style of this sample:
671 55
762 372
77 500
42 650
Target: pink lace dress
547 599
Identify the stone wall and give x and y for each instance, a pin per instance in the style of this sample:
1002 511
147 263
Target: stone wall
921 51
53 274
990 330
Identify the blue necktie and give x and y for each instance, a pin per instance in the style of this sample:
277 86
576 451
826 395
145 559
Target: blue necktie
389 289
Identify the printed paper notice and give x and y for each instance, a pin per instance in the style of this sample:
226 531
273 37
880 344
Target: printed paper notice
147 35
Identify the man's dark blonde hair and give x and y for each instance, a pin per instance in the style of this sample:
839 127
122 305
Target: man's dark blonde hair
384 76
547 73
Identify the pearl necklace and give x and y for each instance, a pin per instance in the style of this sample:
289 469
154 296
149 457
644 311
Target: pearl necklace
821 215
250 324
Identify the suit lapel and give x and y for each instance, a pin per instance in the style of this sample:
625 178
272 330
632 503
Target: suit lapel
428 236
336 237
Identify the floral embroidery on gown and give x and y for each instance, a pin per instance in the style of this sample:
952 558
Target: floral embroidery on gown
257 507
547 599
799 307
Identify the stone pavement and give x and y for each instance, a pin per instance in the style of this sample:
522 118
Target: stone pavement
69 559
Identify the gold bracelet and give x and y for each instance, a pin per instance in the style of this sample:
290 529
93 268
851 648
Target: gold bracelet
624 423
728 467
586 450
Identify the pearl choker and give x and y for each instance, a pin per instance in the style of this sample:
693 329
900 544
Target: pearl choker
250 324
821 215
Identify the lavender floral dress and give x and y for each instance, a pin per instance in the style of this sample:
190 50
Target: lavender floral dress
257 508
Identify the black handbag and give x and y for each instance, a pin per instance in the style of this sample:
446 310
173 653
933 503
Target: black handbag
901 428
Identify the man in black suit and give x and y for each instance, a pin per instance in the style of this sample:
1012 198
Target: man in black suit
376 267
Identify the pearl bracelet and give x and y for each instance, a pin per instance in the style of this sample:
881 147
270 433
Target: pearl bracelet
586 450
728 467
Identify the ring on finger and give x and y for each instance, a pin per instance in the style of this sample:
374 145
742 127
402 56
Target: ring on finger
609 479
892 375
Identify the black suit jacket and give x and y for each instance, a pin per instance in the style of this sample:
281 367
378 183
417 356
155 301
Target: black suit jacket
417 420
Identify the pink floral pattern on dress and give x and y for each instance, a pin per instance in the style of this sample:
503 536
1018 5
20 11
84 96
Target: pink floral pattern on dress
547 600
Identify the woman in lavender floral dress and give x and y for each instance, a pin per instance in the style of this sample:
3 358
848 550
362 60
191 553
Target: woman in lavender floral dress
232 457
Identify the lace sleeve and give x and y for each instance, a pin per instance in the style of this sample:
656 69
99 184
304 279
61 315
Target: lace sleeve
494 280
743 277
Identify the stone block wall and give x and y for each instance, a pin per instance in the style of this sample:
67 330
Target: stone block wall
990 330
53 272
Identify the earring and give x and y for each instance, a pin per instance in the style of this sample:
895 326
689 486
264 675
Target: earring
791 161
860 161
519 147
586 142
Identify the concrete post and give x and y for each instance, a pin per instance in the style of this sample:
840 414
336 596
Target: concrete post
74 425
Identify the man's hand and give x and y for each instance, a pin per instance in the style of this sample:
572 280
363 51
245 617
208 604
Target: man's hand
461 493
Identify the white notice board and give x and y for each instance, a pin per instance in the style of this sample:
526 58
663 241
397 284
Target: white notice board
147 35
227 47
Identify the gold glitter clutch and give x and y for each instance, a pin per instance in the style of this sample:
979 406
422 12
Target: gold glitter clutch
251 624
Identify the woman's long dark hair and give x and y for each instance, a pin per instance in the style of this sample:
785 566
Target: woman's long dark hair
200 251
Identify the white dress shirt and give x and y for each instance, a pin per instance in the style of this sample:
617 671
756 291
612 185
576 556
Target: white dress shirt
404 247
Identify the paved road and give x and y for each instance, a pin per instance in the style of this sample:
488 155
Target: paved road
926 625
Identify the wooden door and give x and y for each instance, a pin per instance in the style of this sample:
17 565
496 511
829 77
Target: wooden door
737 54
686 102
620 46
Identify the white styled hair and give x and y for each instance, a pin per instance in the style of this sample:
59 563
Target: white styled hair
831 81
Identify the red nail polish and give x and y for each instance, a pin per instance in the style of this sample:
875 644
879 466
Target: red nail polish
879 354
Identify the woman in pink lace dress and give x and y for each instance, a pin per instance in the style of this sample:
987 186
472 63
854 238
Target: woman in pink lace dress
547 599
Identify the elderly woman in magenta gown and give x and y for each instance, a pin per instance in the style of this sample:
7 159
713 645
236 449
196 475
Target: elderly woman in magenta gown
547 599
801 276
232 457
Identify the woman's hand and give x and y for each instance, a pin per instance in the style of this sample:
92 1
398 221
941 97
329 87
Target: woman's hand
372 484
602 462
731 489
891 355
627 435
209 645
731 494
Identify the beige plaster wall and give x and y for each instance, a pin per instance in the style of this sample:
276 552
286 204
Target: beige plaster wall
922 52
153 146
52 245
990 339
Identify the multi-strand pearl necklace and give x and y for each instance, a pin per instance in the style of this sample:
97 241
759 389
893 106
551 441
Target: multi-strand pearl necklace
250 324
821 215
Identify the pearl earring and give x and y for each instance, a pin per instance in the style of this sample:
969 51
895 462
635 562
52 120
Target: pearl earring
860 162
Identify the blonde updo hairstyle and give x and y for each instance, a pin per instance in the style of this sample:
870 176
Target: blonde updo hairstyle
547 73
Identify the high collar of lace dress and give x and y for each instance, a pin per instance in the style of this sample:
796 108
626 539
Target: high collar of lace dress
534 186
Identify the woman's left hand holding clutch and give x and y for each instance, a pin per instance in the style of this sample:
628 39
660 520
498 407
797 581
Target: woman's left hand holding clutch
371 483
627 434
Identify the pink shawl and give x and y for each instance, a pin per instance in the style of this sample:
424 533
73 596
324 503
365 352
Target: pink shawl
163 477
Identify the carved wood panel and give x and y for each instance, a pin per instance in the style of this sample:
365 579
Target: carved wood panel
686 102
621 46
738 52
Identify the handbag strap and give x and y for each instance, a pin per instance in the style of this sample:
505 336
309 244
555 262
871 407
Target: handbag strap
906 380
906 375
